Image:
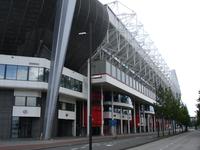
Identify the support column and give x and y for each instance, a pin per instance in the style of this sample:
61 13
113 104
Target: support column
74 128
154 123
160 125
121 121
88 99
134 118
148 124
144 121
129 128
139 119
63 20
112 113
102 117
83 119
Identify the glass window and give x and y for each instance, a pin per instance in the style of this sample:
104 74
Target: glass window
110 109
22 73
145 90
62 81
15 127
20 101
115 109
107 108
31 101
70 107
46 75
108 68
41 74
123 76
63 106
2 71
80 86
116 97
118 74
125 111
68 82
139 87
113 71
76 85
123 98
127 79
107 96
131 82
33 73
11 72
134 86
72 84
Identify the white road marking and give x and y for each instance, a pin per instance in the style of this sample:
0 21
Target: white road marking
83 147
109 145
74 148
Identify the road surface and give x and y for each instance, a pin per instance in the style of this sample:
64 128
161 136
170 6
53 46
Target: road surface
186 141
115 144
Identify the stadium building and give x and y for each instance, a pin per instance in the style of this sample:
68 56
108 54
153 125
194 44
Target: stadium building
45 75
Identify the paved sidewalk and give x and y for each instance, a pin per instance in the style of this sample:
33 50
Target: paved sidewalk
33 144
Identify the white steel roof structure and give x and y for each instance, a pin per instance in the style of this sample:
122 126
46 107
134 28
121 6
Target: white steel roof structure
130 45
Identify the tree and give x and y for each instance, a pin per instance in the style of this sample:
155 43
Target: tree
184 118
170 107
198 110
167 107
158 106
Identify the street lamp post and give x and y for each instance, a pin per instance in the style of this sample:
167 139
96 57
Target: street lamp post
90 115
90 38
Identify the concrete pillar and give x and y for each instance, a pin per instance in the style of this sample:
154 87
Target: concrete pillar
102 117
148 123
139 119
121 121
144 121
62 28
129 128
154 123
83 113
160 123
83 119
134 118
74 127
112 114
88 99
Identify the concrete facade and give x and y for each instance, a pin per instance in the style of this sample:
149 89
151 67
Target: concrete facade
39 101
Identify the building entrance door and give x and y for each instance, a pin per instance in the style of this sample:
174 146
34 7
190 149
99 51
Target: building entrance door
25 127
65 127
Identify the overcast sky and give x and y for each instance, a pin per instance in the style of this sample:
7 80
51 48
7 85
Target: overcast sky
174 26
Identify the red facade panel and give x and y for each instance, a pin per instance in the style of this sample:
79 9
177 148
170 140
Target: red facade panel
96 110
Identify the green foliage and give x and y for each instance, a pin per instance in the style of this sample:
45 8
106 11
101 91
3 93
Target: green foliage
170 108
184 117
198 110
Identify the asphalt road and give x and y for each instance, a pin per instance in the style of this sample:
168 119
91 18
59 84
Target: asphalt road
116 144
186 141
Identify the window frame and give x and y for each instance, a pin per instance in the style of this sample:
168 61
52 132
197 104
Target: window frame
26 74
6 73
